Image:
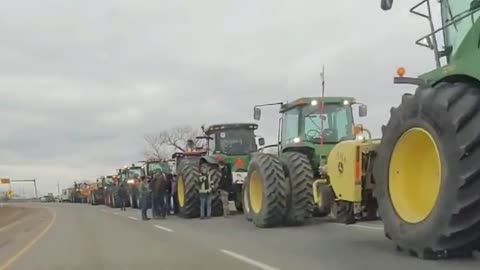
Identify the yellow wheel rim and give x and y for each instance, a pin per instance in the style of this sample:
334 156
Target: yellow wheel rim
255 192
415 175
181 191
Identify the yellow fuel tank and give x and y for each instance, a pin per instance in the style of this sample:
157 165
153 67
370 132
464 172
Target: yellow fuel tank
345 168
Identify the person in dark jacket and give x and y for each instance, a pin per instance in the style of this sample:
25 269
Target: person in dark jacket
224 188
159 195
123 194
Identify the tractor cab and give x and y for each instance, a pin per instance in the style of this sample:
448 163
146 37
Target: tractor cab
314 128
232 139
231 146
134 174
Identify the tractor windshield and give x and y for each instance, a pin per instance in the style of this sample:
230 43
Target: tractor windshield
155 167
108 180
235 141
453 10
135 173
306 122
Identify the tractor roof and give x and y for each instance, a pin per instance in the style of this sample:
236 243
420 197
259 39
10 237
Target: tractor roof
213 128
308 100
189 154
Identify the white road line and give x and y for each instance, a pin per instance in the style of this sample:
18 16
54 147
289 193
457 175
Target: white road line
248 260
116 213
366 227
163 228
134 218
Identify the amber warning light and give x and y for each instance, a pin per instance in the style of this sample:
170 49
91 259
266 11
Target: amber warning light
401 72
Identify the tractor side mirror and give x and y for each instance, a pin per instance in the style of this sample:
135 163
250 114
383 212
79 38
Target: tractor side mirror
362 110
386 4
257 113
474 5
261 141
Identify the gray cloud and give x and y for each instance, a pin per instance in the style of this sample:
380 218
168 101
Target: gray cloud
82 81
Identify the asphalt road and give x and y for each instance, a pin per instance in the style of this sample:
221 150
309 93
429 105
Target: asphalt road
87 237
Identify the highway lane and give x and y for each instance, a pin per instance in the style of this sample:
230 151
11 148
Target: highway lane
84 238
103 238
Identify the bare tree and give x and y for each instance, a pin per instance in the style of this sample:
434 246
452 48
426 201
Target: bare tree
156 145
177 137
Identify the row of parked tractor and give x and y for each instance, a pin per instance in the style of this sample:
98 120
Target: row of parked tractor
422 178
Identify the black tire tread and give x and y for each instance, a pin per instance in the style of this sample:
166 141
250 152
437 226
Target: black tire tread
452 109
299 173
275 191
190 175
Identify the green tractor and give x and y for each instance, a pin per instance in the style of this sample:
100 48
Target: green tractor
112 197
135 173
131 176
228 151
427 175
290 187
107 182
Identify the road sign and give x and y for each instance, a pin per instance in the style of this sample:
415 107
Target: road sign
10 194
4 180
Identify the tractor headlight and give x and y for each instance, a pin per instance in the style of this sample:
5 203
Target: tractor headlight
296 140
360 138
130 181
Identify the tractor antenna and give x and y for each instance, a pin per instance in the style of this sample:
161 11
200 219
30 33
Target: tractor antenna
322 108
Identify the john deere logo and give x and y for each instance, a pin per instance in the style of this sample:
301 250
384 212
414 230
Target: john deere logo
340 167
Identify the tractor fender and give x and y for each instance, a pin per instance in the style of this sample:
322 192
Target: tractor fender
210 160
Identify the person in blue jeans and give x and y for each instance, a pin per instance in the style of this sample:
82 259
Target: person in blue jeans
205 192
145 194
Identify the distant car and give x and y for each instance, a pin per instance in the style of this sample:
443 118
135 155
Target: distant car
47 199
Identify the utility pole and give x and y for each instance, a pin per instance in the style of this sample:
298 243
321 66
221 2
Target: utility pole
58 189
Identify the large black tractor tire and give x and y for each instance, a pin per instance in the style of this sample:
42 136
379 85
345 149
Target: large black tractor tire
299 175
246 201
215 175
427 172
268 191
187 191
115 198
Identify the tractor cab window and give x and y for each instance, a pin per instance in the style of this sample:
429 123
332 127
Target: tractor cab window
337 123
135 173
290 128
108 180
153 168
454 10
158 167
235 141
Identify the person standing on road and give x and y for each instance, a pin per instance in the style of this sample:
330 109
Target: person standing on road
155 196
205 190
173 195
160 194
123 194
224 189
145 193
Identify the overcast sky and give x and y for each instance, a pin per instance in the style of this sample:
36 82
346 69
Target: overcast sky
82 81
